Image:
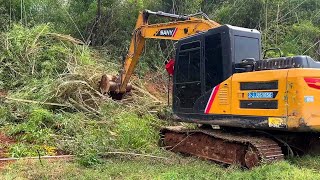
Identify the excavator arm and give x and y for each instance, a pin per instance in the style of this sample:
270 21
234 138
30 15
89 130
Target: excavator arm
181 27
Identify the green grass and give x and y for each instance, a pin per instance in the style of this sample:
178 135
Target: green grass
176 167
125 131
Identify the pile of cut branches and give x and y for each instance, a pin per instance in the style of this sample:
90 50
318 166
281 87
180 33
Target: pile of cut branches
38 66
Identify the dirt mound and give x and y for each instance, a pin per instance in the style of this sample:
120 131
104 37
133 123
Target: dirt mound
157 85
5 142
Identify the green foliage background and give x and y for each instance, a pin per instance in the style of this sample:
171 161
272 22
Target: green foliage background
292 25
40 64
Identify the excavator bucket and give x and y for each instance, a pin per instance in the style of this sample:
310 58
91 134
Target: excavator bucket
109 85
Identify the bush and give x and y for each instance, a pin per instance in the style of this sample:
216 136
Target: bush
36 129
22 150
32 53
135 134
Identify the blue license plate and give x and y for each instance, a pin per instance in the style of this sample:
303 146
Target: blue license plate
260 95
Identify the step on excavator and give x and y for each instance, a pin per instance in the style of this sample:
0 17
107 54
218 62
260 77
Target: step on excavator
262 109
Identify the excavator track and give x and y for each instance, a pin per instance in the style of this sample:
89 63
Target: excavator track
219 146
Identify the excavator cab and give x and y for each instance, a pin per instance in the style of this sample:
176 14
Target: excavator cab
205 60
221 79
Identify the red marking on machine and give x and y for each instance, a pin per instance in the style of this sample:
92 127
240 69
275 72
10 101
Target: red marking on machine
313 82
175 31
211 99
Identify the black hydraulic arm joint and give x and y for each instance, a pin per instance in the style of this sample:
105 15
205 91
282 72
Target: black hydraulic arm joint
163 14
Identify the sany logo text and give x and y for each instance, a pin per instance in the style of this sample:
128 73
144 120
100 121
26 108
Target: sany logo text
168 32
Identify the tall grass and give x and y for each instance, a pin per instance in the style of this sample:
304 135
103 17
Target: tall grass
54 105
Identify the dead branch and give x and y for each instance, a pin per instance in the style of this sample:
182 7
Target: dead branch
36 102
133 154
66 38
67 157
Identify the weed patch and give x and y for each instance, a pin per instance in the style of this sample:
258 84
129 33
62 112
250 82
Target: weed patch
135 133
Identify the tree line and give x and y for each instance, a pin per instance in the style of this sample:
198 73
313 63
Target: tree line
292 25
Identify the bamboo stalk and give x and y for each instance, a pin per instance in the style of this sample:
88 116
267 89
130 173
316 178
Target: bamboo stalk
36 102
133 154
41 157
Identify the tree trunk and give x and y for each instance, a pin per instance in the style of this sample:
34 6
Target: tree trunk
99 9
96 25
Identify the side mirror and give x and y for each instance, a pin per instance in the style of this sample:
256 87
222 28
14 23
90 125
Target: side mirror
248 61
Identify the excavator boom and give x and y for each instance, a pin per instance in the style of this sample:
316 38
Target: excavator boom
182 26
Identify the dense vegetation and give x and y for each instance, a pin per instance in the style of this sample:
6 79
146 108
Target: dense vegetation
53 52
292 25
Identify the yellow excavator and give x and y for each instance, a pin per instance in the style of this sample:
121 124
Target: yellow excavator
261 108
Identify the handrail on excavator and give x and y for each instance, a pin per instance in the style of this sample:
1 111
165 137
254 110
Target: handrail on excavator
169 15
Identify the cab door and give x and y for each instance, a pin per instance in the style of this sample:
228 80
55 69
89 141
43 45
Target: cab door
187 81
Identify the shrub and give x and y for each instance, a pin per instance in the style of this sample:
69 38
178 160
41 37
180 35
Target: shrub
36 129
134 133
